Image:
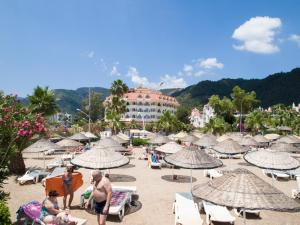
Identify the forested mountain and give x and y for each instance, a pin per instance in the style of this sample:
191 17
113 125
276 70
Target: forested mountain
277 88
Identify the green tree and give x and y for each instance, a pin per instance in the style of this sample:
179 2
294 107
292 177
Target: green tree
183 114
255 121
223 107
168 123
114 121
118 88
243 101
43 101
96 107
217 125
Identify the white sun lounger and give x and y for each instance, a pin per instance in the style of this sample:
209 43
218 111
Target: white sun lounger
33 175
186 210
241 211
212 173
296 192
277 174
217 213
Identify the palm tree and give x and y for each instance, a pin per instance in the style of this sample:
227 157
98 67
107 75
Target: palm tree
43 101
168 122
217 125
118 88
255 121
114 120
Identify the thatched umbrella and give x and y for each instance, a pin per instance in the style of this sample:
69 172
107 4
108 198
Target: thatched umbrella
123 136
284 128
189 138
197 133
89 135
56 138
79 137
223 138
41 146
68 144
159 140
249 141
288 139
272 137
169 148
110 144
237 137
100 158
229 147
206 141
261 139
180 135
243 189
119 139
192 158
284 147
268 159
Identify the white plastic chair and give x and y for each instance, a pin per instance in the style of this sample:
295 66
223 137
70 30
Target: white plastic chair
32 176
186 210
296 192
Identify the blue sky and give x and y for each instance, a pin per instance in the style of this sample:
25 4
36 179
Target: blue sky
158 43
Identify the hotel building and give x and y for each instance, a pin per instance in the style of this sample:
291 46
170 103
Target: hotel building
146 105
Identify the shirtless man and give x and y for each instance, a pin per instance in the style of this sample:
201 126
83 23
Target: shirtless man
102 193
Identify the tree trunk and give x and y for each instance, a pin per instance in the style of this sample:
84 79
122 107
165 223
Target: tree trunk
17 165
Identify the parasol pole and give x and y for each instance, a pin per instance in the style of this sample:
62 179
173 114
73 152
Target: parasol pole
244 215
191 178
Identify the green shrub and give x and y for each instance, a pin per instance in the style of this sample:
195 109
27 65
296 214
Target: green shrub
4 214
139 141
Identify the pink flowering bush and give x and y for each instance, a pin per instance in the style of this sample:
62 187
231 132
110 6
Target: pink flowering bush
18 125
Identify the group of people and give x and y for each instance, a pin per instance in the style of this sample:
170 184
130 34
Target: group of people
101 195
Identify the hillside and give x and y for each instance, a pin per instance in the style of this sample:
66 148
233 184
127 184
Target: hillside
281 87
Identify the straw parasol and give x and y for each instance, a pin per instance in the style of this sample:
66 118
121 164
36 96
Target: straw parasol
284 128
169 148
68 143
288 139
192 158
223 138
79 137
110 144
249 141
284 147
189 138
119 139
261 139
237 137
207 140
123 136
100 158
268 159
41 145
243 189
229 147
159 139
180 135
272 136
197 133
89 135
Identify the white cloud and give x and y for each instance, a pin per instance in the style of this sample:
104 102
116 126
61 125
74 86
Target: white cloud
114 71
209 63
91 54
188 69
166 81
199 73
257 35
295 38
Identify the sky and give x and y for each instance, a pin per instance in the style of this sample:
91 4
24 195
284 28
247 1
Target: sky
157 44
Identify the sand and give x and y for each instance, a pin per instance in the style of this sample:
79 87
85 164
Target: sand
156 195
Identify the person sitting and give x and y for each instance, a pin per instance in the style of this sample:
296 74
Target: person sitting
51 213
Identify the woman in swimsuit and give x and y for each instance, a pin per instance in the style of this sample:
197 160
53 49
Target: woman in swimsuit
68 187
51 214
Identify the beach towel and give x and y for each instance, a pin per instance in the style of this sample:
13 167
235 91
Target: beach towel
32 210
56 183
117 198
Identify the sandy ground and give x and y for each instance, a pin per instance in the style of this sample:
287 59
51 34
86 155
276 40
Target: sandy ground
156 195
